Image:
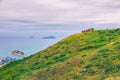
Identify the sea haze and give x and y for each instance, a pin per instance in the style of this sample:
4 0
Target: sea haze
27 42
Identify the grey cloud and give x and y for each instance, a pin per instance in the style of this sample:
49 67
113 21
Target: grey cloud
112 4
37 12
21 21
0 2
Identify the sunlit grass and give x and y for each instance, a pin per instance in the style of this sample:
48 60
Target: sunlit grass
93 55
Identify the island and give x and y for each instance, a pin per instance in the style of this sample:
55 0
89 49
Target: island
31 36
49 37
18 53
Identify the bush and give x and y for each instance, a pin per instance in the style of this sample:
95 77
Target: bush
103 50
81 62
61 59
54 71
89 66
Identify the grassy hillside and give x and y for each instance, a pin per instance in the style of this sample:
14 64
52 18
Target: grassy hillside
93 55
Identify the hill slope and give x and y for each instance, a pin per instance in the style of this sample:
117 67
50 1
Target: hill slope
83 56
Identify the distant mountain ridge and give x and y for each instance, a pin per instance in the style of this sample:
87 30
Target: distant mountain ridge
89 55
49 37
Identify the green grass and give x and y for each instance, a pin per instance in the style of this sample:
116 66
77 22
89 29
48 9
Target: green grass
93 55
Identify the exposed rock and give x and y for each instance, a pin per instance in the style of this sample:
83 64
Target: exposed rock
88 30
18 53
6 60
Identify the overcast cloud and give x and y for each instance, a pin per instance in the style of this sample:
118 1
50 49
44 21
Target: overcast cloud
16 14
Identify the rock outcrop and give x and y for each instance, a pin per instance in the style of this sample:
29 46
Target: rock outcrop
18 53
6 60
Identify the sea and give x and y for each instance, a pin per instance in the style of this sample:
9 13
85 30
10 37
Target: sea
27 42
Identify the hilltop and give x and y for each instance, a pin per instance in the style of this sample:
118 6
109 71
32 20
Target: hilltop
93 55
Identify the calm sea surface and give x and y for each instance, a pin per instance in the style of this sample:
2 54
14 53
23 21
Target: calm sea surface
22 41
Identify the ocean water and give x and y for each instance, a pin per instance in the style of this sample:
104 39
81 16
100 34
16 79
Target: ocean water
22 41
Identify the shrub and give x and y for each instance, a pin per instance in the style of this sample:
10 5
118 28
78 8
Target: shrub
103 50
89 66
53 71
81 62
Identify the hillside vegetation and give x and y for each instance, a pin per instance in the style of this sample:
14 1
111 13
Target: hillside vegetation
93 55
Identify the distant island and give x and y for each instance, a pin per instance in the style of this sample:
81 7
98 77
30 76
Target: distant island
18 53
49 37
6 60
31 36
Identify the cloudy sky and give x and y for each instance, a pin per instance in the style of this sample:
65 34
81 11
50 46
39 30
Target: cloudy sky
60 15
